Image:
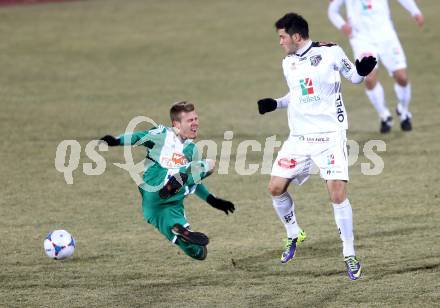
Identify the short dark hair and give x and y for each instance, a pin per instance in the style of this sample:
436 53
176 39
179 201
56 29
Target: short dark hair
293 23
178 108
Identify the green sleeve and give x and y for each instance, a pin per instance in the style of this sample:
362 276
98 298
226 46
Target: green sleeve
202 192
133 138
148 138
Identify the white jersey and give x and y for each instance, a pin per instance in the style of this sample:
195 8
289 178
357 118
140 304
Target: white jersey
314 102
369 19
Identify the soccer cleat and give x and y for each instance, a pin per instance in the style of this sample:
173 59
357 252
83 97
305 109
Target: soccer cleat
353 267
174 184
290 246
203 255
406 125
385 125
189 236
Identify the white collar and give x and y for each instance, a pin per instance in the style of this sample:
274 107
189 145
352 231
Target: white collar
300 52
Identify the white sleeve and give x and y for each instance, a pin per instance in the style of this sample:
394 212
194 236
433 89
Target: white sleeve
333 13
282 102
346 67
410 6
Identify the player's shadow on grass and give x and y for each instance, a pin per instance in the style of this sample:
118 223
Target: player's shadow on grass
392 233
383 270
259 264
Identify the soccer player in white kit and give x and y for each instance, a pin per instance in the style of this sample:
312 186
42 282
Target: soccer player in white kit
371 32
317 121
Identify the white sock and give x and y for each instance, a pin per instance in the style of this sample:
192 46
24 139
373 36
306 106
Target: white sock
377 99
285 208
344 221
404 97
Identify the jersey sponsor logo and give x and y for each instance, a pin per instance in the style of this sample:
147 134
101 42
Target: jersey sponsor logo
179 159
315 60
330 159
306 86
367 5
314 139
307 91
339 110
176 160
287 163
317 139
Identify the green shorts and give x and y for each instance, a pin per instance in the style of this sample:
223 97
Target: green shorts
164 214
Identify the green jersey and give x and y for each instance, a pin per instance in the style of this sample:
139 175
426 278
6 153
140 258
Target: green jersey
166 155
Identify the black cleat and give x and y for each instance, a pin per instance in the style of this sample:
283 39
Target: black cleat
174 184
385 126
406 125
189 236
203 255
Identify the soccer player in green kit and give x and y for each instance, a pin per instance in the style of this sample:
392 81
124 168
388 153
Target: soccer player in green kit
174 171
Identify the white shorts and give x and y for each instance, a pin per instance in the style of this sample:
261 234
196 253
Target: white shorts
328 151
389 52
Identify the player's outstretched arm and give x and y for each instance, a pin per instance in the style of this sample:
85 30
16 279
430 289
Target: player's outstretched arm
144 137
266 105
366 65
111 140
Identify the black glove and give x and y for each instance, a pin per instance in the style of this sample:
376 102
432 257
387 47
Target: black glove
111 141
220 204
266 105
366 65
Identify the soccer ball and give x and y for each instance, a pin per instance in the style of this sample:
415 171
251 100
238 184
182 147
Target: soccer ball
59 244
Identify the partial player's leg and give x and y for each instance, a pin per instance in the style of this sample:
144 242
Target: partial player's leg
185 234
285 170
376 95
333 167
393 58
198 252
402 88
344 220
169 219
373 88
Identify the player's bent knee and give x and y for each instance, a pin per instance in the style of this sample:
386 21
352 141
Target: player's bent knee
370 83
338 198
401 77
403 82
275 190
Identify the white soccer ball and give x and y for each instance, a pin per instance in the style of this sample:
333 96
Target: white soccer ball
59 245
